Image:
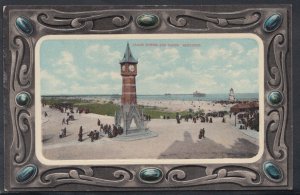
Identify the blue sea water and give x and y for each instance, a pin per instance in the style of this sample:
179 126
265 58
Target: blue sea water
207 97
181 97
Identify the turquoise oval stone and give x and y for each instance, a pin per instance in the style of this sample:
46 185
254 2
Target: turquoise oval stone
151 175
23 99
272 23
147 20
26 174
275 97
272 171
24 25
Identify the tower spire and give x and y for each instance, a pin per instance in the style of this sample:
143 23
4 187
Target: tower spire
128 57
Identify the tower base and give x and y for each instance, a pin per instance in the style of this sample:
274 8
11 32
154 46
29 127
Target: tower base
132 121
136 135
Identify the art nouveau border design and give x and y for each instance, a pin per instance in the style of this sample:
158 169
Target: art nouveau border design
25 26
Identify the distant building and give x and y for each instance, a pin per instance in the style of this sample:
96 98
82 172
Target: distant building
244 107
231 96
246 115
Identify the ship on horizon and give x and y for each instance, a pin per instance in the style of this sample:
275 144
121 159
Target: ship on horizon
198 94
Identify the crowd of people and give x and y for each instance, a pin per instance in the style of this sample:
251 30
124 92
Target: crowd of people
67 108
147 117
111 130
104 129
248 120
194 118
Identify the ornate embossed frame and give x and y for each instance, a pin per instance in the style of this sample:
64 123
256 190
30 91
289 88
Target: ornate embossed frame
23 171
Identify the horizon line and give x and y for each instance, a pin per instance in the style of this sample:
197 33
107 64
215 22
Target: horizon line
140 94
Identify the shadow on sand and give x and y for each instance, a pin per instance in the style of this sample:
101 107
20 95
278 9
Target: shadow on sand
207 148
47 138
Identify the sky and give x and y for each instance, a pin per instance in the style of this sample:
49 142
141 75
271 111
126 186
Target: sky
177 66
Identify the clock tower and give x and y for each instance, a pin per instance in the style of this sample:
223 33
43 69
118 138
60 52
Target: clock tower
129 117
128 73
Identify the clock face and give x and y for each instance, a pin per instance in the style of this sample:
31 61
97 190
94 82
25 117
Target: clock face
131 68
123 68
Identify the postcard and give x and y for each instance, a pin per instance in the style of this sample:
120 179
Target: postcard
127 91
152 98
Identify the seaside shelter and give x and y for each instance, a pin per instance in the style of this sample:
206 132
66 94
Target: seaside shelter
244 107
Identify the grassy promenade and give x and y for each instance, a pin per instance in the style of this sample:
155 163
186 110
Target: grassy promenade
109 108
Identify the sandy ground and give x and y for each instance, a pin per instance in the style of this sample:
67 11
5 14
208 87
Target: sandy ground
175 141
177 105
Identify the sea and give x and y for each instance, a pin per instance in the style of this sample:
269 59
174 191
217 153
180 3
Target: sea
181 97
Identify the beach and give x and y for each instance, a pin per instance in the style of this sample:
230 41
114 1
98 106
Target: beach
179 106
174 141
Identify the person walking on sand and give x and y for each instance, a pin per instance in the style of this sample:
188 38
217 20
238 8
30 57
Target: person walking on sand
203 133
63 121
177 118
200 134
194 119
91 135
65 132
97 134
98 122
80 134
101 128
60 135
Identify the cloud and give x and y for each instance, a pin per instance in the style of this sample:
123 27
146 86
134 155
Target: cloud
100 88
244 85
254 71
67 57
218 53
50 83
102 53
253 52
161 76
197 55
234 73
161 55
115 75
172 53
230 55
179 80
95 74
236 47
156 61
65 65
212 68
